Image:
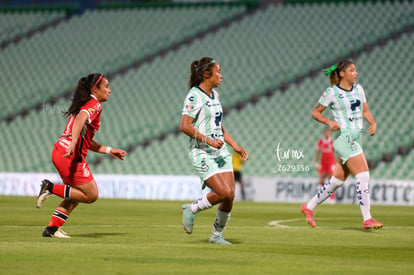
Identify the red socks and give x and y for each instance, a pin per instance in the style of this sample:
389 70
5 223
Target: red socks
59 217
61 190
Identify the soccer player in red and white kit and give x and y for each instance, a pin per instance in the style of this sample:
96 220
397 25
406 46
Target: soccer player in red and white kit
71 149
325 158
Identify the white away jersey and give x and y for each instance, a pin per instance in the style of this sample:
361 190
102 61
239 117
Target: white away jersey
207 114
346 106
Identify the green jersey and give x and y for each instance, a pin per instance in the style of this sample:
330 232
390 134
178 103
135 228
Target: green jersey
207 114
346 106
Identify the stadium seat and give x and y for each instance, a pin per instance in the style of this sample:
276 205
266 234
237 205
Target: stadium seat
255 55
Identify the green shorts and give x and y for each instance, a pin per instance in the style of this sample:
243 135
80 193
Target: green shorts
347 144
208 166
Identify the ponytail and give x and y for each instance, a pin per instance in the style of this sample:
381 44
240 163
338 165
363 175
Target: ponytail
193 75
334 77
198 68
82 93
334 70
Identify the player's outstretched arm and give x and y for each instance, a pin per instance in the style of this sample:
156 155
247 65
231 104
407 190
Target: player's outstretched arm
113 152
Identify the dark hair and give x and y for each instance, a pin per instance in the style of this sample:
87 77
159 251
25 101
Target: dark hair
82 93
198 68
341 66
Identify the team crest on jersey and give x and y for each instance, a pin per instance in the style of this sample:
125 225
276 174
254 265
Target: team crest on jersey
189 107
204 166
91 111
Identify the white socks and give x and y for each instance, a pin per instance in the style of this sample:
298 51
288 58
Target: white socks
222 219
200 204
334 183
325 192
363 194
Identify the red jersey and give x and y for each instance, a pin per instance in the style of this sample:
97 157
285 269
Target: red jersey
93 108
325 146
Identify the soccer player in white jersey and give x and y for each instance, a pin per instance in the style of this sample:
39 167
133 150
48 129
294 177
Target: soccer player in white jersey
347 101
201 120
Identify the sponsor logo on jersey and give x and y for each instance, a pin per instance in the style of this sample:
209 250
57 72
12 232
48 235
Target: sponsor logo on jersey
85 172
216 134
209 104
91 111
85 169
98 107
355 117
220 161
191 98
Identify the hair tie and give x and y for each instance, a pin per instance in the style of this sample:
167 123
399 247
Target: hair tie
202 66
330 69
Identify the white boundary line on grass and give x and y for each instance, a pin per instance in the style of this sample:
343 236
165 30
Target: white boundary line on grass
278 223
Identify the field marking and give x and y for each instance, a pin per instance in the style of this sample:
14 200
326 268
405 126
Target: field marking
118 225
271 224
278 223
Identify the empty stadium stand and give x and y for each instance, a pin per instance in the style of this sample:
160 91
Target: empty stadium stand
271 63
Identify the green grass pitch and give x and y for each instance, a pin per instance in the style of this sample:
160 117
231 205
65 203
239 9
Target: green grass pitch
146 237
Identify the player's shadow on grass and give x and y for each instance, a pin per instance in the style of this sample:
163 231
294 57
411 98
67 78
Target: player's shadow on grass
233 241
359 229
98 235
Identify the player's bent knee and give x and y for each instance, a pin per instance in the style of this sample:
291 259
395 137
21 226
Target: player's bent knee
91 198
225 195
336 183
229 195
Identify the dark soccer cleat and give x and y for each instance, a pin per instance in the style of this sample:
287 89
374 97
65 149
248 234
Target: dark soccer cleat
54 232
44 193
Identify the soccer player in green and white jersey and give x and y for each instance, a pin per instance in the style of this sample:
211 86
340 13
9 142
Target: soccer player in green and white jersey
202 121
347 101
